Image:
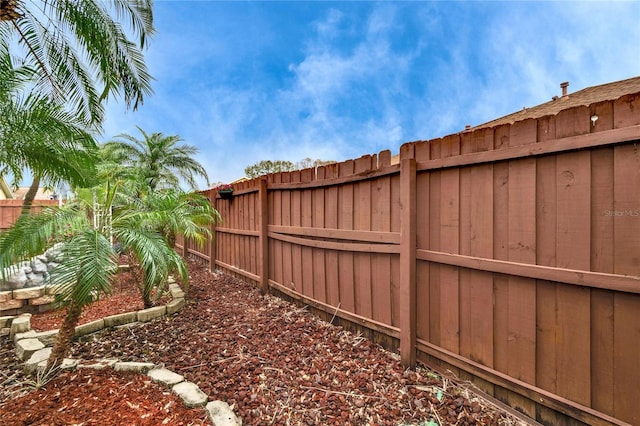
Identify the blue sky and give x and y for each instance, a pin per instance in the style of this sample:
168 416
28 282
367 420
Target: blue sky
246 81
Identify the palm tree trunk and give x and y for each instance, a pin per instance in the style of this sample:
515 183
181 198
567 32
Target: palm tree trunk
30 195
62 345
138 276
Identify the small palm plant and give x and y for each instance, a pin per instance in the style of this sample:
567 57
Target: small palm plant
87 269
165 214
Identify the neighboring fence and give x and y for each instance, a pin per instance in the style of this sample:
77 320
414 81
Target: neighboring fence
508 255
10 210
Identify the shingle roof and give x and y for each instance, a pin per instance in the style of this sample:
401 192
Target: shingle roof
588 96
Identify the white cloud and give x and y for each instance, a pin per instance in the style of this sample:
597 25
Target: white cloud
357 78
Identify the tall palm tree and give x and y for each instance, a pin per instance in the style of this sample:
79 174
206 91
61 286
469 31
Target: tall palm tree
39 135
75 54
79 50
159 161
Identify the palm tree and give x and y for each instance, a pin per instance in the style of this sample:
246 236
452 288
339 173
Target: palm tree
74 54
168 213
158 160
78 50
39 135
89 259
88 266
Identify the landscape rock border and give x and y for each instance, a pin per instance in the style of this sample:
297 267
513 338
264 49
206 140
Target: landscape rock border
34 349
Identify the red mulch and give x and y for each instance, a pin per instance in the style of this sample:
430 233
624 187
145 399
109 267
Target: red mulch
273 362
125 298
100 397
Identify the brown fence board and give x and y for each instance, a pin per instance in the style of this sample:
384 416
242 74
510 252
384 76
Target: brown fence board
449 243
381 263
521 292
626 209
626 367
345 221
331 221
602 350
362 221
500 252
573 368
480 287
423 234
434 244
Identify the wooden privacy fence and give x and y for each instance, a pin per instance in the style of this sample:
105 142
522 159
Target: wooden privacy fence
10 210
508 255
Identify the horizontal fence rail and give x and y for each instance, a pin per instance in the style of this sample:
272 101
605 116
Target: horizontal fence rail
508 255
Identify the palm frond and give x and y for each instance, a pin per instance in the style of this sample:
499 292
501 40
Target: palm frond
87 270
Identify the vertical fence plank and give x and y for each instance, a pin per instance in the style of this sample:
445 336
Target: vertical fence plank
626 209
287 267
395 260
423 269
213 255
362 221
319 265
296 250
307 211
408 262
627 356
263 198
481 284
546 303
345 221
449 243
521 343
573 370
434 244
381 263
331 214
602 260
626 216
276 248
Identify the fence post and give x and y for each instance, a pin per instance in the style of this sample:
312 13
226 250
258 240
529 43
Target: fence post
264 237
212 239
407 319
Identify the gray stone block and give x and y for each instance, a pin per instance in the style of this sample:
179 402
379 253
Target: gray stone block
191 394
38 266
168 377
174 306
31 334
136 367
176 291
17 280
35 279
88 328
221 414
47 338
38 357
101 364
120 319
27 347
20 325
6 320
151 313
28 293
